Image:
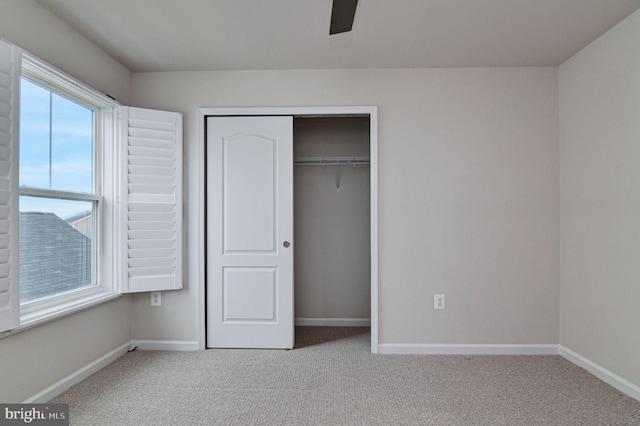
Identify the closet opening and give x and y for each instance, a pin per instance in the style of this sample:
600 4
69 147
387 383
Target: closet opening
323 205
332 228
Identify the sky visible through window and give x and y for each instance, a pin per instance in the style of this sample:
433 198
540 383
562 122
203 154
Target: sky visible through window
56 149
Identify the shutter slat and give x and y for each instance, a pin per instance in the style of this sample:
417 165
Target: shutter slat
151 216
5 122
152 235
142 262
157 271
152 200
151 134
152 253
151 207
150 124
151 143
147 244
151 170
153 161
155 226
144 152
162 180
136 188
5 93
5 153
10 68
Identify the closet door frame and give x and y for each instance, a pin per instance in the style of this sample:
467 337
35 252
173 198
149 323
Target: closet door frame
200 214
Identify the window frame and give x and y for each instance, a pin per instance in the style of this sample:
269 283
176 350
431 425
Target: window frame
103 199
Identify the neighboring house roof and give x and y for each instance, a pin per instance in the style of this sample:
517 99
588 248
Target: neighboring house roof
54 257
78 217
82 222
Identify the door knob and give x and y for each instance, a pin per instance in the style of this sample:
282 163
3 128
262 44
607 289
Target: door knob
286 244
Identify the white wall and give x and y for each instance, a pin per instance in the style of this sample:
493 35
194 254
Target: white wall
600 201
332 228
41 356
468 193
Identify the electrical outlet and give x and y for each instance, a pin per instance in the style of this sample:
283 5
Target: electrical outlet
438 301
156 298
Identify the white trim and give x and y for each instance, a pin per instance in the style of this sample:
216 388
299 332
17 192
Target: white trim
166 345
197 231
373 170
61 311
52 78
601 373
334 322
466 349
76 377
197 228
335 111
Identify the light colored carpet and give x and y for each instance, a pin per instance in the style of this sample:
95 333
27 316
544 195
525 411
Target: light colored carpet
331 378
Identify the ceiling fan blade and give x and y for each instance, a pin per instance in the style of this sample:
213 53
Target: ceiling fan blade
342 15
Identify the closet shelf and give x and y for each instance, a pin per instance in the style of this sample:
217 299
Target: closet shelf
330 161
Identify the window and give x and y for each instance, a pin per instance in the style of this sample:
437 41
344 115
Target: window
59 191
62 219
92 205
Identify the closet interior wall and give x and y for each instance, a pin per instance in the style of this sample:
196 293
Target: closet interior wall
332 227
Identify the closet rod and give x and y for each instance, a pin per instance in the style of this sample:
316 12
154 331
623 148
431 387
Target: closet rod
330 161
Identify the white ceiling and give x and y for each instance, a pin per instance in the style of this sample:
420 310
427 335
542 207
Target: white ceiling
191 35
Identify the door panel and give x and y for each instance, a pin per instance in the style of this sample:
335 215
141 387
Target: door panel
249 217
249 204
250 294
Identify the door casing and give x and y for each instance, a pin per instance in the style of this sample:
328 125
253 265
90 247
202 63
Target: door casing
200 204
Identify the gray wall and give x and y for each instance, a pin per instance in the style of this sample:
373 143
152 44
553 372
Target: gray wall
332 228
468 193
600 201
41 356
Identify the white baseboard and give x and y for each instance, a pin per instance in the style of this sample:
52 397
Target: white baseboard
334 322
76 377
598 371
165 345
601 373
463 349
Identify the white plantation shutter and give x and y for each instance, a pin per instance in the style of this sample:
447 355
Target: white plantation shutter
10 62
152 200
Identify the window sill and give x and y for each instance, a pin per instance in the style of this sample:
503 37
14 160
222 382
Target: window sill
43 316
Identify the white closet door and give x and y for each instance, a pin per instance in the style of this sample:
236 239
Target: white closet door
249 232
